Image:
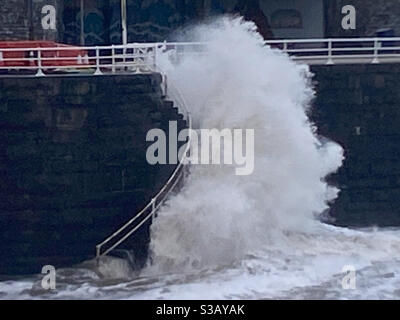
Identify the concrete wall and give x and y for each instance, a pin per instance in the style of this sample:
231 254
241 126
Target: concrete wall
372 15
38 31
73 166
22 20
153 20
14 20
311 13
359 107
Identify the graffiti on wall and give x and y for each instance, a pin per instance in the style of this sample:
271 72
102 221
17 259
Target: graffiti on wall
149 20
94 26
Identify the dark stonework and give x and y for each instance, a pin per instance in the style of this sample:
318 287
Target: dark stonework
22 20
14 20
358 106
73 164
251 11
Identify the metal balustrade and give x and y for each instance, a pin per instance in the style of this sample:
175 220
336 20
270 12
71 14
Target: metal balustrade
341 50
142 57
91 60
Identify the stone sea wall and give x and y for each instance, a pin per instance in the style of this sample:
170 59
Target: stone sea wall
359 107
73 164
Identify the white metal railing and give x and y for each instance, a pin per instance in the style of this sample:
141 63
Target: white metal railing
321 51
341 50
43 60
149 211
142 57
316 51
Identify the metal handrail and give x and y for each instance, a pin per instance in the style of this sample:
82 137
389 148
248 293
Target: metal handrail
100 58
330 51
137 56
169 186
341 50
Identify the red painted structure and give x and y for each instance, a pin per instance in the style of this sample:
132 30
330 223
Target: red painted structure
73 56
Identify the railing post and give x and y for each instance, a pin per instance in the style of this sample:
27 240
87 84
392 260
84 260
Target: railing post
113 58
155 57
285 46
124 50
165 84
39 60
330 61
376 52
98 255
98 71
31 59
136 59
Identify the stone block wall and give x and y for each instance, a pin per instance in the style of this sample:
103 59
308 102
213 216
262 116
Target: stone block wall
73 164
359 107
